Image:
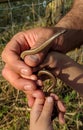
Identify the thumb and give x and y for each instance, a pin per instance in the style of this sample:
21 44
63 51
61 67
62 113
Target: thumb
36 109
47 109
34 60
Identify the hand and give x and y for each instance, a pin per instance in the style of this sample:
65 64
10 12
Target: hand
40 116
55 61
18 72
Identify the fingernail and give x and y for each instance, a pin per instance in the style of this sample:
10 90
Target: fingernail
34 58
25 72
27 87
49 99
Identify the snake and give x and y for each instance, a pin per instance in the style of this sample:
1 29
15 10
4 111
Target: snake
39 49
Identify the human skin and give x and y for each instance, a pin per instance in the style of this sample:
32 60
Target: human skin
19 73
66 69
40 116
73 23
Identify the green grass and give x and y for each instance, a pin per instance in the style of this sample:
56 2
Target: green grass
14 114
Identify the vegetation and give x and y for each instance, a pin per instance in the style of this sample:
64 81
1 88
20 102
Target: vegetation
14 113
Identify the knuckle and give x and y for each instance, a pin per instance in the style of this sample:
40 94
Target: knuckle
3 72
20 34
2 55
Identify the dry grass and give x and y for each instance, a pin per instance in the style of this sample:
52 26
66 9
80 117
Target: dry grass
14 114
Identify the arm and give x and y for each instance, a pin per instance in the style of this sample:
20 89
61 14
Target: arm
74 18
73 22
72 74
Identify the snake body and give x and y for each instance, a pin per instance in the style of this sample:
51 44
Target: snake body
39 49
52 77
42 46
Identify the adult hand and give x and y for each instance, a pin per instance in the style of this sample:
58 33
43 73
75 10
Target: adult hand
19 73
40 116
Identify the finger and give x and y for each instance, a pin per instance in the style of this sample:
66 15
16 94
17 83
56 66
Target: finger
61 118
37 40
47 109
32 77
31 100
55 97
11 55
60 105
17 81
62 111
36 109
61 108
34 94
38 94
34 60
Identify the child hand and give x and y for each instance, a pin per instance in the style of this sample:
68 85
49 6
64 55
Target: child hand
40 116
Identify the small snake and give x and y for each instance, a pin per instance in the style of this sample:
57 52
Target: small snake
42 46
39 49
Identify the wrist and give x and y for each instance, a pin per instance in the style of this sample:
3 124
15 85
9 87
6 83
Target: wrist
58 43
66 66
69 41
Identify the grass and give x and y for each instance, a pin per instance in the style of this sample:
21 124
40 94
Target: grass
14 114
